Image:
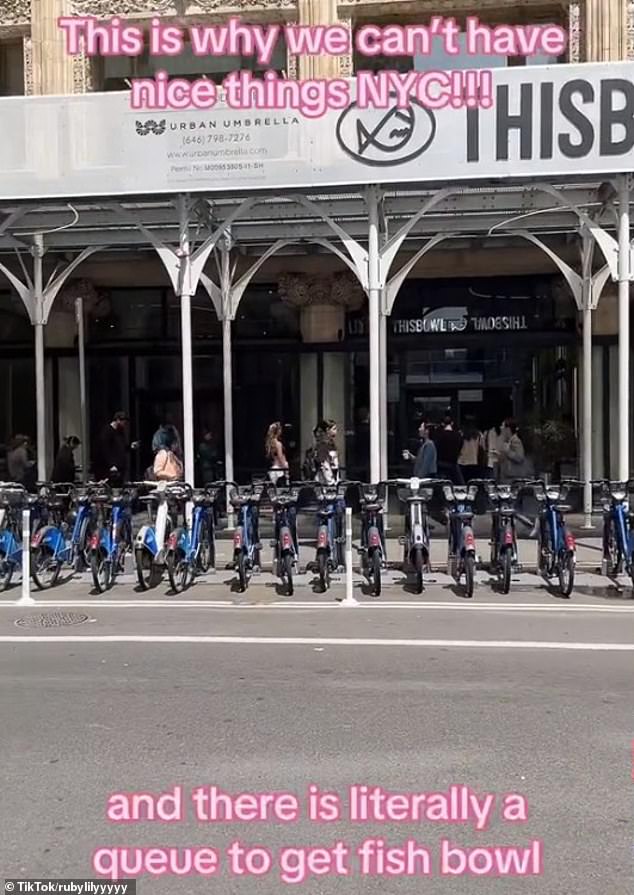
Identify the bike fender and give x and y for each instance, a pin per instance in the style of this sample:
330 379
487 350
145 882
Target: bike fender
322 537
508 537
48 536
469 540
238 539
146 538
7 542
374 538
286 540
417 536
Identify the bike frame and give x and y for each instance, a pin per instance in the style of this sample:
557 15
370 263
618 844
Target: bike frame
244 538
553 528
119 513
503 531
328 515
63 548
189 541
151 537
616 510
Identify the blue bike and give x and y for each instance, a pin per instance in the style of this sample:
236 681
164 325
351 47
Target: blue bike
13 499
112 539
284 500
461 543
64 537
330 514
246 537
191 552
618 533
151 540
556 551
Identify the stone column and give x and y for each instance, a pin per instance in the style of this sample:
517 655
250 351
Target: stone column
605 30
323 302
52 69
321 12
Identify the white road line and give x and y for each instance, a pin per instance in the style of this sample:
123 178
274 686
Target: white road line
411 605
320 641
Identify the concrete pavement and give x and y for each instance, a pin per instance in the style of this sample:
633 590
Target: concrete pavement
83 720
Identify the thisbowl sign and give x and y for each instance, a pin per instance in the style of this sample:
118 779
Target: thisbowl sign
550 121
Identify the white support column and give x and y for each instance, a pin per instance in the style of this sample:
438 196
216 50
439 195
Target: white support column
624 327
374 301
227 389
38 325
83 407
383 392
184 293
586 393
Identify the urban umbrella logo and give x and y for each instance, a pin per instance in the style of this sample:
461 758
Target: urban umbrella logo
386 137
150 127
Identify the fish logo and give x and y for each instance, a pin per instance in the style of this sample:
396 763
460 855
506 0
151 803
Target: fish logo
386 137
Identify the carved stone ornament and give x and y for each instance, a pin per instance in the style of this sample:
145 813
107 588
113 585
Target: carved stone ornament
106 9
15 12
303 290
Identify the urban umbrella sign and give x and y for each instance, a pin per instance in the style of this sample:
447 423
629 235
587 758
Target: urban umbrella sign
548 121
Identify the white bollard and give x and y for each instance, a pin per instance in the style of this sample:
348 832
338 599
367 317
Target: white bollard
26 599
349 598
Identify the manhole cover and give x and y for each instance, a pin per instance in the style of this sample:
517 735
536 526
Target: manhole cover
52 620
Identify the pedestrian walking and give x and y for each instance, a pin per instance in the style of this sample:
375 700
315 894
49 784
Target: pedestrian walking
65 469
207 458
276 454
492 441
513 460
448 446
20 465
326 454
112 451
468 459
426 459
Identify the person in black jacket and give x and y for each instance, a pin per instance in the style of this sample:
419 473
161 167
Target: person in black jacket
112 451
64 469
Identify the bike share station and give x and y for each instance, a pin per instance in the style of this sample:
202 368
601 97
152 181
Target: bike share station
218 192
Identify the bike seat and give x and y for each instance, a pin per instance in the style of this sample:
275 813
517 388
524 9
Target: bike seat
562 507
372 507
461 515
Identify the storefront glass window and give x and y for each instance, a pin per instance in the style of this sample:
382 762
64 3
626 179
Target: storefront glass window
15 326
128 314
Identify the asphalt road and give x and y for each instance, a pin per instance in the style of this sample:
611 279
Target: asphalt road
530 696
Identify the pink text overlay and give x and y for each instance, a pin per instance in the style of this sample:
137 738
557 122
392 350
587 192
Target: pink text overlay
312 97
360 804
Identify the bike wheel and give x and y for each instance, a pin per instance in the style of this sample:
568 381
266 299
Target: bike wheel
611 549
322 568
506 567
287 571
45 568
206 557
243 577
375 567
83 556
101 568
6 571
179 570
566 573
469 574
148 574
418 568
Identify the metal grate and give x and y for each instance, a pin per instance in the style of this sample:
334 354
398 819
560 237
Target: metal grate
52 620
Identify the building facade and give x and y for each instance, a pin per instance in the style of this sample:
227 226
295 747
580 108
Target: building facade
479 336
